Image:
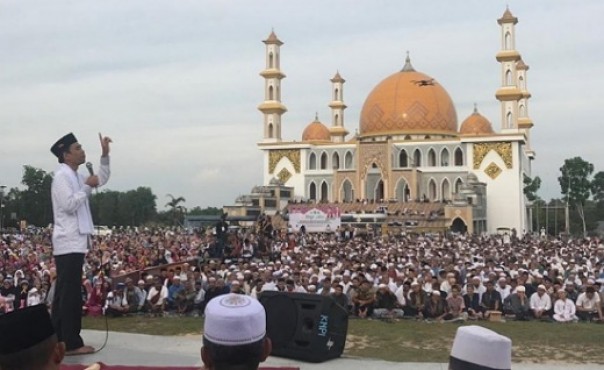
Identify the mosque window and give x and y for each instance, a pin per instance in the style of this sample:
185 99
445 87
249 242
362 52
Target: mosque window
458 185
324 161
508 41
508 78
458 157
312 162
271 60
445 190
336 94
337 119
432 191
408 137
324 192
271 95
335 160
417 158
521 83
403 160
444 157
522 110
312 193
431 158
270 130
348 161
509 120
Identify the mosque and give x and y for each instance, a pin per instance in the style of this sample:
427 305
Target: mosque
409 148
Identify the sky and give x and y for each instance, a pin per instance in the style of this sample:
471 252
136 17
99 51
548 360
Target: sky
176 84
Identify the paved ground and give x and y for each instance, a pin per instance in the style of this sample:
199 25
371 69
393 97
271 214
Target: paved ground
139 349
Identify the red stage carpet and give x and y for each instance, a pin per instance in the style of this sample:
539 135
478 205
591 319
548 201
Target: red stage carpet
116 367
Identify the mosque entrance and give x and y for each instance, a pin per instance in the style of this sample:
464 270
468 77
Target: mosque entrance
374 185
459 226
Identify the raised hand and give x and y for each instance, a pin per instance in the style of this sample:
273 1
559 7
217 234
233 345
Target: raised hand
105 144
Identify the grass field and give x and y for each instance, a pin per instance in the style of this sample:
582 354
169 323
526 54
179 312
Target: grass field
410 341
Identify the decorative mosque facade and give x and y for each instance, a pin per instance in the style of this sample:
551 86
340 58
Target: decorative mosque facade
409 146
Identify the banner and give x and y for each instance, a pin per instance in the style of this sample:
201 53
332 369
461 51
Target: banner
315 218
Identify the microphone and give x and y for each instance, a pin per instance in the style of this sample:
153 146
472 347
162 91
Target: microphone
89 167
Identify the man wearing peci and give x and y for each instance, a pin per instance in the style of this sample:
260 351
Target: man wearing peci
71 235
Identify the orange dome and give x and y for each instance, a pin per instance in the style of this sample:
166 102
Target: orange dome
476 124
316 131
408 102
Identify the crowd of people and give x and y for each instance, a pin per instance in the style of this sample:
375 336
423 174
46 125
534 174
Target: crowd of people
390 276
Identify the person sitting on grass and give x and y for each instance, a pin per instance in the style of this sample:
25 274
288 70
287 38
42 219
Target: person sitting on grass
157 297
589 306
564 309
471 302
417 301
363 300
455 305
436 307
541 303
491 299
386 305
519 304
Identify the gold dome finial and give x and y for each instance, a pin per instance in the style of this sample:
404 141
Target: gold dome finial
408 67
475 108
316 116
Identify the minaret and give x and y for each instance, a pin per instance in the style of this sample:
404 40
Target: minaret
525 123
337 130
508 94
272 108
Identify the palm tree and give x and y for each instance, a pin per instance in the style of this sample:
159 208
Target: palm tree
176 208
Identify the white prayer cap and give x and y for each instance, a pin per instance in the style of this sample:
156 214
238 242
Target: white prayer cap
480 348
233 320
520 288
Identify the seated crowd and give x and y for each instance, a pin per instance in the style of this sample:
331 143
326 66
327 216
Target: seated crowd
433 278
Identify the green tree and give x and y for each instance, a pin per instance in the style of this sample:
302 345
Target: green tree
597 186
531 187
208 211
132 208
35 199
576 184
176 208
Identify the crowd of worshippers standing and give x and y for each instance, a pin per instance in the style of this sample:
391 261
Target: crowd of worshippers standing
434 277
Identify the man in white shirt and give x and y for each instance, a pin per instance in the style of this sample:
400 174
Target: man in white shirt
589 305
158 294
541 303
564 309
71 232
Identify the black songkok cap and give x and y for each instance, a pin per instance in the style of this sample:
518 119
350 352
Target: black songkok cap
62 145
24 328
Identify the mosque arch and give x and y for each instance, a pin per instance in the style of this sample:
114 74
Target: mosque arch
323 161
445 190
407 137
431 158
432 190
336 94
522 110
403 159
444 157
507 42
347 192
335 161
379 191
508 78
271 60
509 120
458 185
417 158
337 118
401 190
348 160
458 157
312 161
312 191
521 83
324 192
271 93
459 225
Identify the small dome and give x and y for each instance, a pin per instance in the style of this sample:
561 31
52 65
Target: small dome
316 131
476 124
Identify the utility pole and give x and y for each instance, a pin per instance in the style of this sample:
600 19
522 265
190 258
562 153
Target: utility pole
566 212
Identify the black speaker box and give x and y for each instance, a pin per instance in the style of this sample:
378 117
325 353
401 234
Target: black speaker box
305 327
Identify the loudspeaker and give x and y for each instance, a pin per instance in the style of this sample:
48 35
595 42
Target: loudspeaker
305 327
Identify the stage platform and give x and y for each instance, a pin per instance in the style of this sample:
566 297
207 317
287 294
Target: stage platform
150 350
